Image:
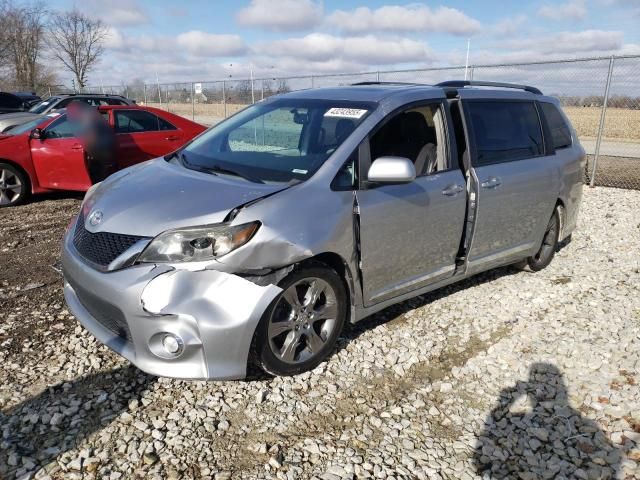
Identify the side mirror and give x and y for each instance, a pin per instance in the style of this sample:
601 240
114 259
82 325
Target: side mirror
391 170
37 134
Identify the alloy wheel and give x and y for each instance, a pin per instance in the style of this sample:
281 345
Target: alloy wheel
303 320
11 187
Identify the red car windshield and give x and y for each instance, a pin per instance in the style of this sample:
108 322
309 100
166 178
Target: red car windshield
27 127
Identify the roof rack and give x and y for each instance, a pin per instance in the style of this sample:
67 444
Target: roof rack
384 83
80 94
474 83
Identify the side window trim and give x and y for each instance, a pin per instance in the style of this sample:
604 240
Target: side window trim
549 149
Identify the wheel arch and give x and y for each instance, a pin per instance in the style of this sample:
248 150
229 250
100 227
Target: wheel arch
341 267
20 168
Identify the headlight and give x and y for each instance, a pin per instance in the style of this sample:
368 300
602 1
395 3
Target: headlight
195 244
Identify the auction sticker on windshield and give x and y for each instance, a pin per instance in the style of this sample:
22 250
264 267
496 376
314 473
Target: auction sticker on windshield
345 112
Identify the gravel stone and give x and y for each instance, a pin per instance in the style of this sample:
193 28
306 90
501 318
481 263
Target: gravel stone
509 374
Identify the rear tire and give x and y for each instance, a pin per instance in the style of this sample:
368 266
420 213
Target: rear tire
300 328
548 248
14 185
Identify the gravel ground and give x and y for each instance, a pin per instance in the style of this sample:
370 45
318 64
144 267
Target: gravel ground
507 375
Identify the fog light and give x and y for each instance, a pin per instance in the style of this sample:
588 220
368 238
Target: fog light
172 344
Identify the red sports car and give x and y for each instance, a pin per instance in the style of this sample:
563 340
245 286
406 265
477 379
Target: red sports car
46 154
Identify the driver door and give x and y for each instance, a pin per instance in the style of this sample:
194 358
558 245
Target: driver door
59 158
410 233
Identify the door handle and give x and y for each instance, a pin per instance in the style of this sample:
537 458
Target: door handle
76 146
491 182
452 190
172 138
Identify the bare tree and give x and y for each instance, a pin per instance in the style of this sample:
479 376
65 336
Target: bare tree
4 36
77 41
21 40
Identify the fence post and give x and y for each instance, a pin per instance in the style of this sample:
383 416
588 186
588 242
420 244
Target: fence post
262 89
378 76
49 90
224 97
193 101
603 115
471 71
144 92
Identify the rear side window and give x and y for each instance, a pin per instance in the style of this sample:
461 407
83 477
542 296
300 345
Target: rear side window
136 121
114 101
505 131
560 131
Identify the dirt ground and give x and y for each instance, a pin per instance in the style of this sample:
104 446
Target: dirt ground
30 281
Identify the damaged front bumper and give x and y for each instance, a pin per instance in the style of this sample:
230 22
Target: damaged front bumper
210 315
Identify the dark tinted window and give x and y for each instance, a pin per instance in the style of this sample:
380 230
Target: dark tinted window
135 121
505 131
114 101
9 101
560 131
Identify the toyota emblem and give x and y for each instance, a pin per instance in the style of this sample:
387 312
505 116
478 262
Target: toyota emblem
95 218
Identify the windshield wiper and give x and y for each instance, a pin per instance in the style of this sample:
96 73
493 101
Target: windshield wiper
215 169
218 169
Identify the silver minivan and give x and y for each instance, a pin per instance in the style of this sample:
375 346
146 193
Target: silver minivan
260 239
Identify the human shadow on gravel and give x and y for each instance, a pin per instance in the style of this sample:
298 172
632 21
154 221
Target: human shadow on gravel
40 429
534 433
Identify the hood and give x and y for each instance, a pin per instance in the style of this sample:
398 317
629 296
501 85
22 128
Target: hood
155 196
26 116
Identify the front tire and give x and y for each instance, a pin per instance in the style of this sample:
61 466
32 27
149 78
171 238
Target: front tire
14 185
547 250
300 328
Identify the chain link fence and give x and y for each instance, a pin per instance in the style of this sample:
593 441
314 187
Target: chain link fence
601 96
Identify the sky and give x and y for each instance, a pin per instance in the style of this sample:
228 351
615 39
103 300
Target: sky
197 40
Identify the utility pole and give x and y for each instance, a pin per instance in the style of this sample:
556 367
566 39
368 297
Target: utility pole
466 64
253 97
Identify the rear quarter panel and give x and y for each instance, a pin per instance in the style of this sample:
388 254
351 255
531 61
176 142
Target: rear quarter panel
574 162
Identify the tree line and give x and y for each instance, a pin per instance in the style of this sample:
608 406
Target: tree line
36 41
614 101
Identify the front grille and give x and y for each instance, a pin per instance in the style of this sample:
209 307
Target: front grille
109 316
101 248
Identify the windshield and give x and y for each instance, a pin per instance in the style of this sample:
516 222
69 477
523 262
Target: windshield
26 127
276 141
42 106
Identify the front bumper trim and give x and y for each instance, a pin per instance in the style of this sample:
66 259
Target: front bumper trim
214 313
